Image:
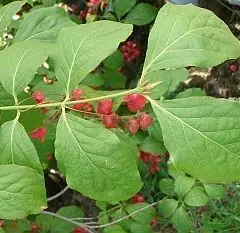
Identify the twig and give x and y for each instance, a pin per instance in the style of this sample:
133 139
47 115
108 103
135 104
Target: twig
58 194
87 228
125 217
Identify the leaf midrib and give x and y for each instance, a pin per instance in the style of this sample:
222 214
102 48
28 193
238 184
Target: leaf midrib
93 165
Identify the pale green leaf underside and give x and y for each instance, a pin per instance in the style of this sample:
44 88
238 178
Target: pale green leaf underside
7 12
22 192
80 49
96 162
188 36
202 136
170 79
19 63
43 24
16 147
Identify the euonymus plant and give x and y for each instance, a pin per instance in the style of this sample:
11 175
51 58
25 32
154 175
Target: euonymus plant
201 133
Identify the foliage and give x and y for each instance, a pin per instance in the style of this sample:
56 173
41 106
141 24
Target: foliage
145 154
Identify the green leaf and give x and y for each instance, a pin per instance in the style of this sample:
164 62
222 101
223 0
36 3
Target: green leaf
141 14
2 231
45 221
7 12
43 24
26 117
93 80
75 58
48 3
122 7
181 221
16 147
174 172
19 63
114 229
22 192
143 216
96 162
53 92
114 79
188 36
17 226
215 191
140 228
60 226
167 207
190 93
196 197
166 186
202 137
170 79
151 145
103 218
114 61
183 185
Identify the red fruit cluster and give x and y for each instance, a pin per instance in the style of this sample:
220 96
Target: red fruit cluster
152 160
2 223
130 51
82 15
77 95
105 107
233 68
79 230
135 102
94 2
138 198
110 118
143 121
154 221
39 97
35 228
39 133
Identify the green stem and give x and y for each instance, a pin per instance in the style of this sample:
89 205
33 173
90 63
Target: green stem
58 104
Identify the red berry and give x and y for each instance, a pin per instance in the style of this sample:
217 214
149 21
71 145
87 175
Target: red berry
233 68
38 96
94 2
145 120
133 125
49 156
111 121
83 14
105 107
155 159
138 198
145 157
91 11
79 230
35 228
154 168
2 223
154 221
39 133
135 102
79 106
130 51
77 94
